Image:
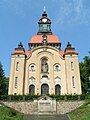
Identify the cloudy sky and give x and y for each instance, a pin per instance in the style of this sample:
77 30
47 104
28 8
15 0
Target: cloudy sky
18 23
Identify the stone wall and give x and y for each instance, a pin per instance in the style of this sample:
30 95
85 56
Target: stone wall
23 107
62 107
65 107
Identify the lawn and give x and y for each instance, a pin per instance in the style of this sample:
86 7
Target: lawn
9 114
82 113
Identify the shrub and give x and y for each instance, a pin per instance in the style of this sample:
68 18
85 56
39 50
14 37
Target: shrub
32 97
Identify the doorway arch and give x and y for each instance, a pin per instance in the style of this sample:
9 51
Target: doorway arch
44 89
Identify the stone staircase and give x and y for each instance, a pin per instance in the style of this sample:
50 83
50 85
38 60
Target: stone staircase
46 117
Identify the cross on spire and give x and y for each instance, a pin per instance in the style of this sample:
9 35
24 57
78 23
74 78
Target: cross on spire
44 10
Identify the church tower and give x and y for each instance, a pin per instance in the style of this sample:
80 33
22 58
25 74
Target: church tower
44 68
17 72
44 24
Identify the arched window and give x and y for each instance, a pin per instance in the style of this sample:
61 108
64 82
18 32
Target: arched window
57 67
32 67
31 89
44 89
57 89
44 65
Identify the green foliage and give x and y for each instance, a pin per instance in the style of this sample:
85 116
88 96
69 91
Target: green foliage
85 73
5 97
85 97
3 82
2 77
18 97
72 97
33 97
82 113
57 97
9 114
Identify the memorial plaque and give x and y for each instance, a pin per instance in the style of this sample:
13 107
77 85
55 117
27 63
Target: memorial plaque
45 107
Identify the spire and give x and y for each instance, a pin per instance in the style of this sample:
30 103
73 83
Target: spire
20 45
69 47
44 12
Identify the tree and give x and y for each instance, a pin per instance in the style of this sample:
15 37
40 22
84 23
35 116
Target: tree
85 73
3 81
1 72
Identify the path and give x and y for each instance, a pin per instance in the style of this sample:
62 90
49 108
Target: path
46 117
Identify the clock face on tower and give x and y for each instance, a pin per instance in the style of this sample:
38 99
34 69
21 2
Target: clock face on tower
44 20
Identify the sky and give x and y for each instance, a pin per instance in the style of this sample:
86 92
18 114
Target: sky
19 22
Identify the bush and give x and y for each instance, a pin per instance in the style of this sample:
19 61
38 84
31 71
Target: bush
17 97
4 97
32 97
9 114
57 97
72 97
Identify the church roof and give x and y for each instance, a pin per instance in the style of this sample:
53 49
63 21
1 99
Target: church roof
38 39
27 52
19 49
69 49
71 52
18 52
61 52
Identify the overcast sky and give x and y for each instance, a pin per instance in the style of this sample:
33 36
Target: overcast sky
18 23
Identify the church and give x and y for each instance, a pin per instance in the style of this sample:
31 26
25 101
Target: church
44 68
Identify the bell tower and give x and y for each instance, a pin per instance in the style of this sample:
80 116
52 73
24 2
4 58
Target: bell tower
44 24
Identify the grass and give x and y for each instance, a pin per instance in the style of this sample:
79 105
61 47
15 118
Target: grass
9 114
82 113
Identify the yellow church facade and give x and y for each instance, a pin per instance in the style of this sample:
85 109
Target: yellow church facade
44 68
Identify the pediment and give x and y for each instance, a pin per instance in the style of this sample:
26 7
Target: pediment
44 98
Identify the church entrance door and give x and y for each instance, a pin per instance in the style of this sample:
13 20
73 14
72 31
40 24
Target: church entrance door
44 89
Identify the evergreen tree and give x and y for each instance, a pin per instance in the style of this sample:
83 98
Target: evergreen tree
85 73
2 75
3 81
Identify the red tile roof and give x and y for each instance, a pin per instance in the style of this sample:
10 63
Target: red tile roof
61 52
18 52
27 53
71 52
50 39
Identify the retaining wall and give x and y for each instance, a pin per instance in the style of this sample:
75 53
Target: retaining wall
62 107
